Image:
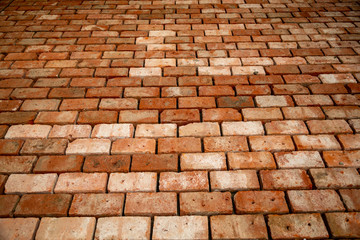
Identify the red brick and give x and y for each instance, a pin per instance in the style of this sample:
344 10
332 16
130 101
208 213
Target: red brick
18 228
10 147
58 164
263 114
99 205
159 81
285 179
156 163
97 117
118 103
17 117
282 69
260 202
343 112
174 145
335 178
341 158
67 93
8 203
224 144
132 182
77 72
79 104
178 116
319 142
248 227
315 201
44 146
30 183
107 163
251 160
150 204
286 127
123 227
10 105
184 181
54 205
297 225
351 198
156 130
219 115
64 117
196 102
344 224
131 146
21 93
138 116
205 203
70 131
66 228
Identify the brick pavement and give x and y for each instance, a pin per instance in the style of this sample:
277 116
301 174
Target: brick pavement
179 119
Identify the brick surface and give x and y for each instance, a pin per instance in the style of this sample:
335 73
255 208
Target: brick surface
183 227
238 227
299 159
132 182
16 164
30 183
351 198
123 228
8 203
335 178
99 205
67 228
234 180
285 179
184 181
81 182
344 224
297 225
18 228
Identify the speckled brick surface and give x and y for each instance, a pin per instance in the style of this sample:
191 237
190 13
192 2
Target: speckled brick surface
179 119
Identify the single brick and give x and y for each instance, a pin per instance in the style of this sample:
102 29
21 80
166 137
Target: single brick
113 131
234 180
154 162
30 183
225 144
335 178
44 146
285 179
342 158
139 116
81 182
250 160
299 159
58 164
286 127
47 205
174 145
18 228
318 142
181 227
132 182
98 205
202 161
344 224
238 227
7 205
242 128
196 102
271 143
150 204
274 101
184 181
235 102
97 117
315 201
202 203
66 228
70 131
28 131
133 145
351 198
221 114
297 225
107 163
260 202
156 130
17 117
79 104
118 103
16 164
64 117
328 126
350 142
123 228
180 116
261 114
199 130
89 146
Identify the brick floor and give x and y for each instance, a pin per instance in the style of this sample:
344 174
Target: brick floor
179 119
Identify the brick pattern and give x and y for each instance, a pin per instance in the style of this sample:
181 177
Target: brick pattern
197 119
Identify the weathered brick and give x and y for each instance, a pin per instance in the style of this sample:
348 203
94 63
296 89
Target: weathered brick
250 160
10 146
49 205
285 179
150 204
154 162
107 163
113 131
238 227
261 114
202 161
351 198
123 228
138 116
224 144
180 116
18 228
234 180
184 181
335 178
98 205
44 146
16 164
297 225
30 183
318 142
303 113
66 227
58 164
156 130
286 127
132 182
7 204
136 145
28 131
260 202
299 159
199 130
89 146
242 128
183 227
344 224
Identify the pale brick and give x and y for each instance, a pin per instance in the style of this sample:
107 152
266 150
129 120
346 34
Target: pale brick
202 161
242 128
81 183
335 178
133 145
184 181
89 146
234 180
132 182
251 160
28 131
156 130
30 183
299 159
199 130
70 131
113 131
18 228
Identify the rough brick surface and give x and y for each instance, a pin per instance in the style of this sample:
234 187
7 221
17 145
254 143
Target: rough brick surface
140 116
